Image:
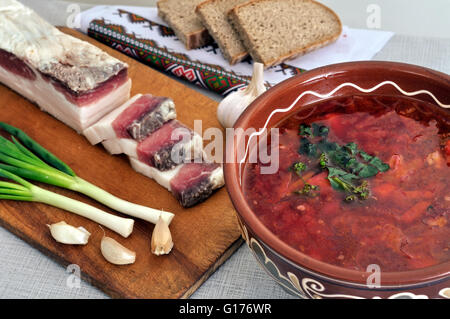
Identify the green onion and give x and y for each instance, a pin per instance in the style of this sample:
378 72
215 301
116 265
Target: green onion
37 148
26 158
25 191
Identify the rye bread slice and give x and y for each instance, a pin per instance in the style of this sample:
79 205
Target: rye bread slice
213 14
277 30
181 17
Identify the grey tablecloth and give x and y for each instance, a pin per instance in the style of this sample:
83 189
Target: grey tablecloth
26 273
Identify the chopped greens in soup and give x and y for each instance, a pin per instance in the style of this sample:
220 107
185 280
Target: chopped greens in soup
363 180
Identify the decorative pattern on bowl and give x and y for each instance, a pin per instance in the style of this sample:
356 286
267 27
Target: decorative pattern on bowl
310 288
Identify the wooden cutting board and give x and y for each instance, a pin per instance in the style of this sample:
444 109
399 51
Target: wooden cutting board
204 236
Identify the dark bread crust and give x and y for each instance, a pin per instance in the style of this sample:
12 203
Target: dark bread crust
231 59
191 40
234 20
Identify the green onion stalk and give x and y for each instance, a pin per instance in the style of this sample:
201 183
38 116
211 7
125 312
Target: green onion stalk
25 191
26 158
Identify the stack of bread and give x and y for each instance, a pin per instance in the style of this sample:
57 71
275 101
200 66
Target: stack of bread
270 31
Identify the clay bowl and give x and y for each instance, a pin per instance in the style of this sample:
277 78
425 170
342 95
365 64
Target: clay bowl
296 272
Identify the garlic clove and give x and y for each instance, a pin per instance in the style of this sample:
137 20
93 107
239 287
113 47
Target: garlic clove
115 253
228 106
235 103
66 234
162 242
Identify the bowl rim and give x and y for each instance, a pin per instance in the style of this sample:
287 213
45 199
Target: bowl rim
331 272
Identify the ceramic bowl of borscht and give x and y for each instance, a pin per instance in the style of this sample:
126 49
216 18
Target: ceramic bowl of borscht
340 179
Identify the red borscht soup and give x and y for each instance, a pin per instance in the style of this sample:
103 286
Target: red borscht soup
362 180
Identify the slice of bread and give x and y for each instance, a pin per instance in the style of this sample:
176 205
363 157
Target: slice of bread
181 17
213 14
277 30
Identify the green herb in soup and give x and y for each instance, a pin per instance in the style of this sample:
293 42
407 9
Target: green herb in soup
363 180
308 189
347 165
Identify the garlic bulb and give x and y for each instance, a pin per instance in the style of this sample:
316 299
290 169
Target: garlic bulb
162 242
235 103
66 234
115 253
